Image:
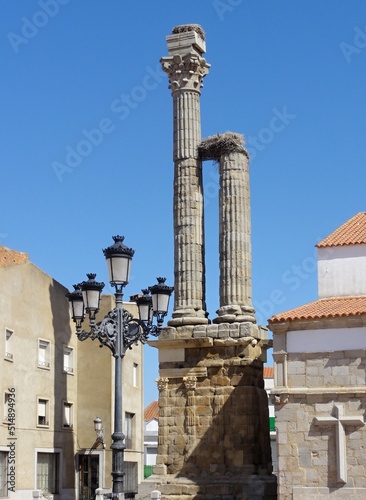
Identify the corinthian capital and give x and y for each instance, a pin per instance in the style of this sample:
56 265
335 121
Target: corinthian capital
185 72
190 383
162 383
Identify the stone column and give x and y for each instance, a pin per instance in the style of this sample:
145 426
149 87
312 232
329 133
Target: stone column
234 226
186 68
162 383
190 384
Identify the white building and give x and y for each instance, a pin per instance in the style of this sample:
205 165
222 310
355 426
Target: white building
268 372
151 418
320 376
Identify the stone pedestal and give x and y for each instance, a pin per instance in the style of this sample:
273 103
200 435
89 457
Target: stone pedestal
213 413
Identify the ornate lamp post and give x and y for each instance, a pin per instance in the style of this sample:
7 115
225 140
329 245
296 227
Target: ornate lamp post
119 330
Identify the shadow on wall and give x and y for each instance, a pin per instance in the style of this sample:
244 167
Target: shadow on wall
225 441
63 382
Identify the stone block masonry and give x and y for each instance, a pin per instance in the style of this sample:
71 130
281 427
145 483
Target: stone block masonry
213 414
320 425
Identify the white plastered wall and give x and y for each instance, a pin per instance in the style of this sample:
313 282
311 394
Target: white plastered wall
342 271
335 339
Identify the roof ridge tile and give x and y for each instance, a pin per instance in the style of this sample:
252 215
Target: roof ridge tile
352 232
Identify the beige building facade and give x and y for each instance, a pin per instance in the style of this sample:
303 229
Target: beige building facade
320 377
53 387
96 394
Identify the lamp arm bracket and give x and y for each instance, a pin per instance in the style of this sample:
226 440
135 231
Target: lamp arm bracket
106 331
133 331
136 331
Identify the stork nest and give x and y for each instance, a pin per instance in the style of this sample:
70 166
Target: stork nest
184 28
213 147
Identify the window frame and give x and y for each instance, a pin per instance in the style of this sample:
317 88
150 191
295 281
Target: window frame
68 351
44 365
6 407
5 452
135 375
50 451
8 345
70 405
47 412
129 429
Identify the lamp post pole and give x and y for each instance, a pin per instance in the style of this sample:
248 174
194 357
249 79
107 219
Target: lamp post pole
118 330
118 446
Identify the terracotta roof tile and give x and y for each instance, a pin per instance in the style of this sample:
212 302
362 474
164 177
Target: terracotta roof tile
10 257
352 232
324 308
268 372
151 411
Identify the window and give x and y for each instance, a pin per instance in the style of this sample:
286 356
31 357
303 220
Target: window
131 479
150 455
8 345
3 473
129 420
68 359
42 412
43 353
6 406
68 415
135 378
48 472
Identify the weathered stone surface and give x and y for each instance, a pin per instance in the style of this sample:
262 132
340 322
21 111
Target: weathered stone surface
222 419
234 238
186 68
213 424
310 457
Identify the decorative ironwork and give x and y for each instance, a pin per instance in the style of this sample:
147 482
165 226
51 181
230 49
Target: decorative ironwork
118 331
118 247
107 330
133 331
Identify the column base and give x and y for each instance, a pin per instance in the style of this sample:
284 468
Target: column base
182 317
263 487
235 314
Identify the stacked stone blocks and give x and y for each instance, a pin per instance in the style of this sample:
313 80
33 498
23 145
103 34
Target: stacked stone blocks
213 422
310 456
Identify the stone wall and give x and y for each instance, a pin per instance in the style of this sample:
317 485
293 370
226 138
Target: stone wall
327 370
213 420
320 426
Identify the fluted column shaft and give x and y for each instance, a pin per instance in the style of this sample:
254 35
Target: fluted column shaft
188 209
186 69
235 239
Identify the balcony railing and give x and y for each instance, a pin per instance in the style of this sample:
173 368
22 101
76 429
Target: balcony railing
44 364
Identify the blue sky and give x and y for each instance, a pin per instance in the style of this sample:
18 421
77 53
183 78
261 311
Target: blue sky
84 75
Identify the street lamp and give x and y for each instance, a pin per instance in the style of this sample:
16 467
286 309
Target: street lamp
118 330
99 431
